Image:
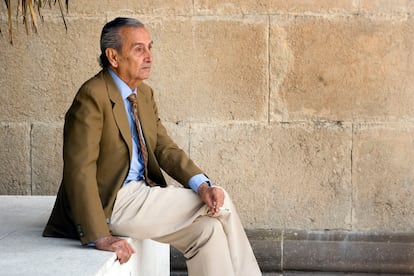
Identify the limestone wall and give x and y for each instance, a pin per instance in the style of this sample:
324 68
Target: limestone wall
302 110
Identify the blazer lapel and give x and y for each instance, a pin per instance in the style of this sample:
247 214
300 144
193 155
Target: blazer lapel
118 110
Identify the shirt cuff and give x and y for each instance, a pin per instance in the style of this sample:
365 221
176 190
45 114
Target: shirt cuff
197 180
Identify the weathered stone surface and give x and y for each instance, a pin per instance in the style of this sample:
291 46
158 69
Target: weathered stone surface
180 133
385 6
273 6
383 177
15 159
44 71
345 69
112 8
47 162
348 251
267 245
172 72
205 79
280 176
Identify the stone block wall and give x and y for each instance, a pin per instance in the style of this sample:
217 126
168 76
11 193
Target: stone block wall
302 110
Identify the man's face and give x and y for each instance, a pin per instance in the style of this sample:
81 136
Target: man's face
135 59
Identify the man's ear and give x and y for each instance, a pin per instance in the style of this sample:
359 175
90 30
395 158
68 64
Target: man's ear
112 56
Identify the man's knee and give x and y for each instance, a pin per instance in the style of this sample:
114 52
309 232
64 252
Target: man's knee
204 230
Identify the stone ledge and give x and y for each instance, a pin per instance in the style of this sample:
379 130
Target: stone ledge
327 251
23 251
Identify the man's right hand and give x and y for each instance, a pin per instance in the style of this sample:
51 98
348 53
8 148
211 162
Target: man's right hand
213 197
120 246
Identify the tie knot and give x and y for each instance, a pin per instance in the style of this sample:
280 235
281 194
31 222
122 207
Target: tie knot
132 97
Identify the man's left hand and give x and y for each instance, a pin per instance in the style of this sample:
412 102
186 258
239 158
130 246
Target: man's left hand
120 246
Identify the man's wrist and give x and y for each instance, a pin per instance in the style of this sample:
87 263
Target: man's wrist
203 187
195 181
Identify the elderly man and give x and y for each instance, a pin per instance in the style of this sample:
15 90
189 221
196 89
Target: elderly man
114 149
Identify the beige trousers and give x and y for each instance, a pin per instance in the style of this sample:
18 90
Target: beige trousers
212 246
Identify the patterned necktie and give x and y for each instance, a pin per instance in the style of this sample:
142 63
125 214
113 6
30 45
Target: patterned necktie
133 99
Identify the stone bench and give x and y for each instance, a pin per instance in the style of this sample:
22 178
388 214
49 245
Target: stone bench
23 251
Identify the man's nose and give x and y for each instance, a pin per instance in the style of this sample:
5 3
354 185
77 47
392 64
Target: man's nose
148 55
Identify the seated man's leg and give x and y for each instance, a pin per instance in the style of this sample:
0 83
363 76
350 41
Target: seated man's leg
243 259
204 245
179 217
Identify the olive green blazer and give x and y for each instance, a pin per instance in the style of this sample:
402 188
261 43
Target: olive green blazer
97 153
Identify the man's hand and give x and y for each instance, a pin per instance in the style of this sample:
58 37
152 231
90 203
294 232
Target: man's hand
120 246
213 197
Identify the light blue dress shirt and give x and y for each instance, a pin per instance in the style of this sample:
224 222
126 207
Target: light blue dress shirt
136 171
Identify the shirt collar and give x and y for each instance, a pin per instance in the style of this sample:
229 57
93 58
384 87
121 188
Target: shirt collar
122 86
